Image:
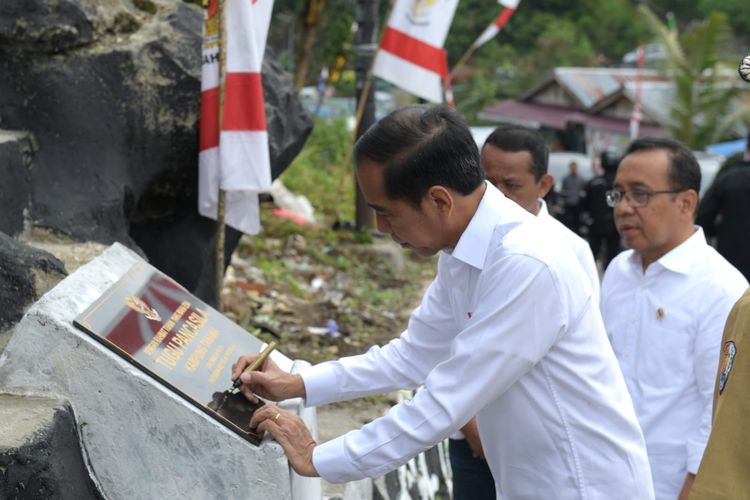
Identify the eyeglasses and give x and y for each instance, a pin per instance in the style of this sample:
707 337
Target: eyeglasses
637 198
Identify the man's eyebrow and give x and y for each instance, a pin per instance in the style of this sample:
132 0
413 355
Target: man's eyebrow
377 207
635 185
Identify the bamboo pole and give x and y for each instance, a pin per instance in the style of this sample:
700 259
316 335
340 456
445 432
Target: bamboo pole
221 208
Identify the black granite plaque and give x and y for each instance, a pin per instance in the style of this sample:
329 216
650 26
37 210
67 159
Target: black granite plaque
154 323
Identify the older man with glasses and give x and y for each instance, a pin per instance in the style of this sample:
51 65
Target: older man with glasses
664 303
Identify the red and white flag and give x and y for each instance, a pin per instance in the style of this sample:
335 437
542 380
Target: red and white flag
234 155
509 7
411 53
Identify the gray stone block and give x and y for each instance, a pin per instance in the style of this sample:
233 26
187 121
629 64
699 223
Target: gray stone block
142 440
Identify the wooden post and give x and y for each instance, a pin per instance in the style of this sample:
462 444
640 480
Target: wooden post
367 33
221 208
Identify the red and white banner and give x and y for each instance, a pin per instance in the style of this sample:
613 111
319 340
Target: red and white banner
411 53
234 156
501 20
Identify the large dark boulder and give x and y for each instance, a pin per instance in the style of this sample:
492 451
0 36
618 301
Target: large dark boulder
110 91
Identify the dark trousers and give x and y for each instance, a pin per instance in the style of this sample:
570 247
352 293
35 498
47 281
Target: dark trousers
472 479
572 217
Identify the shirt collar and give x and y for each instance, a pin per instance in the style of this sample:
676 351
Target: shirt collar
474 242
543 211
681 258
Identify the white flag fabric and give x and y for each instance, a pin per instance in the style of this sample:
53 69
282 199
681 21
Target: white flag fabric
234 156
411 54
509 7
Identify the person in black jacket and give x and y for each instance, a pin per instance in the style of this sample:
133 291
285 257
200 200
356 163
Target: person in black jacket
602 233
724 213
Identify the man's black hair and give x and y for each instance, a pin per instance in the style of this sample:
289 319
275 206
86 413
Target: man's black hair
609 161
514 138
684 171
419 147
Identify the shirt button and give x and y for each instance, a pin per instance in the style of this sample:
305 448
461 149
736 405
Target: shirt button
462 288
625 354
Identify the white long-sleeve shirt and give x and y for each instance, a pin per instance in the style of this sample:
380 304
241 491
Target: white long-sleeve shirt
580 247
508 332
665 326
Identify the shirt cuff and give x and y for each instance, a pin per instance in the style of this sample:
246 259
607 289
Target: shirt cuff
320 384
331 463
694 456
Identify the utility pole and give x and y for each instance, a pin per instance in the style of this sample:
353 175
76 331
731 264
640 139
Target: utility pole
365 48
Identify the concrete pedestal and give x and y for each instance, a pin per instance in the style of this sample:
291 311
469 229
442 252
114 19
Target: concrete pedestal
139 439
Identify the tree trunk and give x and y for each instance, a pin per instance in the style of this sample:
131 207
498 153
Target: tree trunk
309 27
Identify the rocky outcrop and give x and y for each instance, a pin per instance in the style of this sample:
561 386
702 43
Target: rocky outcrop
40 455
26 273
16 151
109 90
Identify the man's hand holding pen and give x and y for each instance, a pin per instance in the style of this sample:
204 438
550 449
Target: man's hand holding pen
270 382
289 430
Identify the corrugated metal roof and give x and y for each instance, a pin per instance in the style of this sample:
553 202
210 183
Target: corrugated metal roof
590 85
656 99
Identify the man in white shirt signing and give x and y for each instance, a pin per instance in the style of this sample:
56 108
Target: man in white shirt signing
505 332
515 160
664 303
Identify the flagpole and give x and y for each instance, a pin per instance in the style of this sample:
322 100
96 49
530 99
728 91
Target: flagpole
461 62
493 29
222 203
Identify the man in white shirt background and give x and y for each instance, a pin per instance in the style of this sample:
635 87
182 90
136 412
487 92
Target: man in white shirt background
507 331
515 161
665 302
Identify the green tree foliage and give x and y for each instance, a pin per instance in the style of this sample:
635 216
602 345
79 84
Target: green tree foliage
702 111
541 35
684 10
737 11
333 39
613 27
559 44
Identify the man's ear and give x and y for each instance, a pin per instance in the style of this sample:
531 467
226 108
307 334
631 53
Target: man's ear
545 184
440 199
688 202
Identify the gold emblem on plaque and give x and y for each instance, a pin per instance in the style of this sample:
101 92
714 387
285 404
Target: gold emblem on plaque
139 306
